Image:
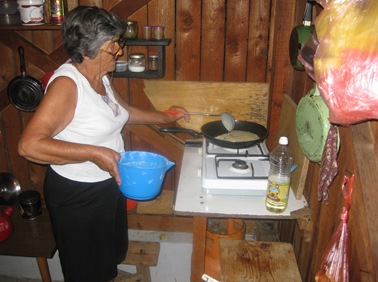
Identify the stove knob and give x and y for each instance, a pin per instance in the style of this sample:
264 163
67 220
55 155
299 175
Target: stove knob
199 173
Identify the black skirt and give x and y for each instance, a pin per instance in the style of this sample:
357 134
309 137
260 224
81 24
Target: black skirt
89 222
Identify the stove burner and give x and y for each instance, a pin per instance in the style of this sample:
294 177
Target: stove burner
240 164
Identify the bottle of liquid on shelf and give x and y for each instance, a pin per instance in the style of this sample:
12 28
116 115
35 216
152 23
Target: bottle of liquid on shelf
281 160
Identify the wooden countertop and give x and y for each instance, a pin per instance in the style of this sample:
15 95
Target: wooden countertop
30 238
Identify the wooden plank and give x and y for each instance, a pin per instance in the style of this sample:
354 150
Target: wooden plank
188 49
212 45
259 17
199 248
142 253
246 101
279 62
236 43
365 146
257 261
287 128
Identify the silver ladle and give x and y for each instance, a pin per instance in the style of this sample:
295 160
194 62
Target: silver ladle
228 121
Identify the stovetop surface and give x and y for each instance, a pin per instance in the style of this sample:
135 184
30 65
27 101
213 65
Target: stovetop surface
234 171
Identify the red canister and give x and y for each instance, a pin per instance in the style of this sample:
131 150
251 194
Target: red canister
6 226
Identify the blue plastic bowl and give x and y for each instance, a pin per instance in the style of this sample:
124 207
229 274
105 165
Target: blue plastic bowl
142 174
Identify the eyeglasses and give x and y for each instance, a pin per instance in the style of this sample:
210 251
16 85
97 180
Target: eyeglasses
121 43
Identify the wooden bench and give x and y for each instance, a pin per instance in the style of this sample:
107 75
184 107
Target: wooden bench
142 255
242 260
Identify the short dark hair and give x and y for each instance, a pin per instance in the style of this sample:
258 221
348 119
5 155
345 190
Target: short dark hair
85 29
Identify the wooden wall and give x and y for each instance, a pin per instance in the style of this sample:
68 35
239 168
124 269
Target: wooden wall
217 40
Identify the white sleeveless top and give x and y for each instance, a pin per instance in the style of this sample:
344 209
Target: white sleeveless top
94 123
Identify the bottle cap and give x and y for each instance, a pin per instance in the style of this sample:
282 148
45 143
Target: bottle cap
283 140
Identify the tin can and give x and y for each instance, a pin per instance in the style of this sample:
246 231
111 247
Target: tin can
57 11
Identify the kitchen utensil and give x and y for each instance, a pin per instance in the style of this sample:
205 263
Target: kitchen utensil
228 121
142 174
300 35
6 225
30 204
9 189
312 125
24 92
173 112
214 129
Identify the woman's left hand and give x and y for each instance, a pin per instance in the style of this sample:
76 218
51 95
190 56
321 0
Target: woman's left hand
176 112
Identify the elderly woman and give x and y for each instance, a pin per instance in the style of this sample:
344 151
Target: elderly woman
76 131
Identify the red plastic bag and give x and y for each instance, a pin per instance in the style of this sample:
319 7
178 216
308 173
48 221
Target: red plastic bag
346 59
336 258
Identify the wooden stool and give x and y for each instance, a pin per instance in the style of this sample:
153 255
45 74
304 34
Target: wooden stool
142 255
257 261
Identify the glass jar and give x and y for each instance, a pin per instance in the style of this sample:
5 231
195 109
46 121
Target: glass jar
131 29
137 62
153 62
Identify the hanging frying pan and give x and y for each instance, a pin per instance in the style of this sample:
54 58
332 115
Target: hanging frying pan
24 92
299 36
312 125
216 128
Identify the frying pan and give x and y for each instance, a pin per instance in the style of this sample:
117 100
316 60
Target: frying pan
216 128
24 92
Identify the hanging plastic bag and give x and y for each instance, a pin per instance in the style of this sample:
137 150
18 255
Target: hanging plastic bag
336 258
346 59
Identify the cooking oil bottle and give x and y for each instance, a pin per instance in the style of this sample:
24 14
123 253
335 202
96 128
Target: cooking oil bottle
281 160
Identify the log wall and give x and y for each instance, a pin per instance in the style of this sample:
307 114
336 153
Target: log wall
216 40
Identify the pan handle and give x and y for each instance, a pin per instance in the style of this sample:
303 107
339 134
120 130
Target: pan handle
181 130
22 61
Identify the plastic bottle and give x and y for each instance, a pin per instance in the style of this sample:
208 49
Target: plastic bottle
281 160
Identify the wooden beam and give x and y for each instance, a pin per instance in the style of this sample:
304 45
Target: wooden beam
365 146
127 7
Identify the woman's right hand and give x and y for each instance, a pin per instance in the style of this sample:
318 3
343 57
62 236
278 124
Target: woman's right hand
106 159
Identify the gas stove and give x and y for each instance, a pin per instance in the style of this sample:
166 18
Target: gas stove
235 172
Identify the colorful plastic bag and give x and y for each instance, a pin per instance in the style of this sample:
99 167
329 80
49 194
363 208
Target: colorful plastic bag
346 59
336 258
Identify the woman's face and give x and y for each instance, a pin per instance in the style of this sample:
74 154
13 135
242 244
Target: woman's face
111 50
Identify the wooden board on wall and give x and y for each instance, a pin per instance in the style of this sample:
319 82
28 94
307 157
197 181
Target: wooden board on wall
287 128
246 101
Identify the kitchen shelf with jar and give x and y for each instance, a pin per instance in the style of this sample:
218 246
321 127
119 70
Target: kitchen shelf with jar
161 43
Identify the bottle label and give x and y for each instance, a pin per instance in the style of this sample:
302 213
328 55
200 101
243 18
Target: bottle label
57 11
278 192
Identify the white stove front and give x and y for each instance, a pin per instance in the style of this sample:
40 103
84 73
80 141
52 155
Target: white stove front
220 175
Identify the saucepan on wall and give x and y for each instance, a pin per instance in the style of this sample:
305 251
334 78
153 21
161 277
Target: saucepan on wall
299 36
25 92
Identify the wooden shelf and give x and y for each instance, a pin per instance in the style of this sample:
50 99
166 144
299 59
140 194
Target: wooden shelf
161 55
30 27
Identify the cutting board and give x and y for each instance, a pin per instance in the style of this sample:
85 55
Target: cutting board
244 100
287 128
242 260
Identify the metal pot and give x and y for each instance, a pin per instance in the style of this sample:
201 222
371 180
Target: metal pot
25 92
299 36
214 129
9 189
